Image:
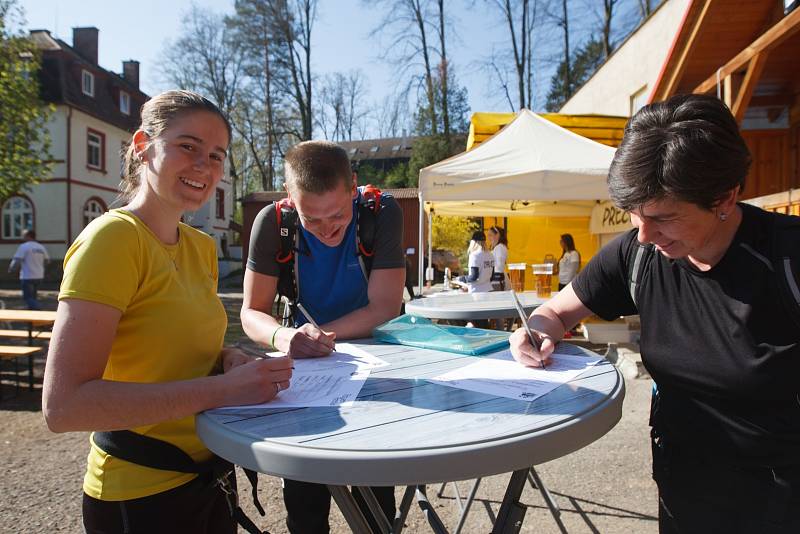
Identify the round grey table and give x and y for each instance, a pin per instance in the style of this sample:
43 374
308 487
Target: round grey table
473 306
404 430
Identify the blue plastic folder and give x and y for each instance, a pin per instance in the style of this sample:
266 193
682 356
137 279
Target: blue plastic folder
421 332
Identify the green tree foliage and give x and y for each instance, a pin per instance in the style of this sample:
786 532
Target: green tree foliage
24 139
585 61
453 234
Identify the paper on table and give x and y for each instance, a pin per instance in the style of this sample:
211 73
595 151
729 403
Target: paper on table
333 380
499 375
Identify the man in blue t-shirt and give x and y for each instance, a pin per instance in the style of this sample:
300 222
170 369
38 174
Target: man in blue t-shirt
331 284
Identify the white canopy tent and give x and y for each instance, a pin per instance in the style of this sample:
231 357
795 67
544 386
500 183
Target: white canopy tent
530 167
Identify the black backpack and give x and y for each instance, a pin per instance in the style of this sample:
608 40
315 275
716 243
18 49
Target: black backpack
369 205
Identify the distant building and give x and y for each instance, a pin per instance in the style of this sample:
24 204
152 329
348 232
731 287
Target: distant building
96 113
381 155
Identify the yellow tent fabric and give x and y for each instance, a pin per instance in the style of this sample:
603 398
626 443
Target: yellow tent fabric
604 129
532 233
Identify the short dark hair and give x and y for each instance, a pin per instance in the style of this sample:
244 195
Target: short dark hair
688 148
317 167
29 233
478 236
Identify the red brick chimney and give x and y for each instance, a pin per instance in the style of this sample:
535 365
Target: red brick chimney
84 41
130 71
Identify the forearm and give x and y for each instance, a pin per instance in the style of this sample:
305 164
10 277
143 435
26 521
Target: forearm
128 405
259 326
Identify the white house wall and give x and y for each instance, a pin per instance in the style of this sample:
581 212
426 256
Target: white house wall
632 67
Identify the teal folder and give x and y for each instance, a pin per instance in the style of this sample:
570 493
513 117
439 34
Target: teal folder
421 332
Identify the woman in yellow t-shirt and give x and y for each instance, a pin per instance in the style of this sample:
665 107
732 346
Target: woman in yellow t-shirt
137 344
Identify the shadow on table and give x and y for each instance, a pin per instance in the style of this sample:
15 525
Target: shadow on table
384 401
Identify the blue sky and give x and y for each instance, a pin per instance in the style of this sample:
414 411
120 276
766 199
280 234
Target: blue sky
139 30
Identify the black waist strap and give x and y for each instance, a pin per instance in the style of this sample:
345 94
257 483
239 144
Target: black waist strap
157 454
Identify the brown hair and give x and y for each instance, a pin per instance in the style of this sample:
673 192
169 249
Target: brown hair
157 115
317 167
688 147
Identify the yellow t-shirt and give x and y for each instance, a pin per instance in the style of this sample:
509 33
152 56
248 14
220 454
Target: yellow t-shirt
172 328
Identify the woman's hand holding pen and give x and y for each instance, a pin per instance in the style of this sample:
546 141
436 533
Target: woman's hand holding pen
256 381
307 341
525 352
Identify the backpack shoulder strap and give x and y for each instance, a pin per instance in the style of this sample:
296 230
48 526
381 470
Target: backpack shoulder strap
286 257
786 261
369 205
636 269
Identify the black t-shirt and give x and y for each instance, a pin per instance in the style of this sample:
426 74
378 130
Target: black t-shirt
720 344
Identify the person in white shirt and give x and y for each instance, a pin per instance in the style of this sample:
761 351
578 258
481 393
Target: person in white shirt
499 242
569 263
31 257
480 265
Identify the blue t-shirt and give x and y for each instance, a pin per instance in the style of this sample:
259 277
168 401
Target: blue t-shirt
330 280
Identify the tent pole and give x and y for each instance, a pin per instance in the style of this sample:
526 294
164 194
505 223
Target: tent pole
420 255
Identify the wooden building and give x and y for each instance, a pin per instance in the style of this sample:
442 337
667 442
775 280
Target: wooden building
748 53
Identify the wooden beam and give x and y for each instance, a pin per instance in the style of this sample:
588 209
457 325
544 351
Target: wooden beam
751 77
727 90
786 27
680 65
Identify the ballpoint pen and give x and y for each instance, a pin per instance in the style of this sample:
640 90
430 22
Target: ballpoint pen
534 339
310 319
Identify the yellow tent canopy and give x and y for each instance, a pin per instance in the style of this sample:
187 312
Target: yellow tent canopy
605 129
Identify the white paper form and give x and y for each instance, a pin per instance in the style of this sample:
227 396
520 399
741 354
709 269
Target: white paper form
333 380
500 375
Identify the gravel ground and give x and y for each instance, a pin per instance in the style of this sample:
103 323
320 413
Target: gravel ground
603 488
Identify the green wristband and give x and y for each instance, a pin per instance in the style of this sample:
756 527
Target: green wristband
272 342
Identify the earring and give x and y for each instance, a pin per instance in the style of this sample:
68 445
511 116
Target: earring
723 217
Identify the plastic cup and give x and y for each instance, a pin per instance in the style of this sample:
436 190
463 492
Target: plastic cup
516 274
543 276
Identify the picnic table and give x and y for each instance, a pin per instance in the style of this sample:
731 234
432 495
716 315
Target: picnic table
35 321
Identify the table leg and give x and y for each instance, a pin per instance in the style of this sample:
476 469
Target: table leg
405 506
463 517
433 518
512 512
374 508
30 357
352 514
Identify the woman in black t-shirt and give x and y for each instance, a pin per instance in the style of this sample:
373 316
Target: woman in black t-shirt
718 336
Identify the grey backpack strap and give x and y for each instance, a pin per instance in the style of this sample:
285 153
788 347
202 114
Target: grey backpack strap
786 261
636 270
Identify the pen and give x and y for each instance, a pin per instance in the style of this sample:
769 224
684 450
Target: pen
521 312
310 319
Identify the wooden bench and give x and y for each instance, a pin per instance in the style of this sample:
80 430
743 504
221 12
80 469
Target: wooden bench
35 334
12 352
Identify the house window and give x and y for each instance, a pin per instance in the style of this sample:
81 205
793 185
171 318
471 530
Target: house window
220 204
125 102
374 149
638 100
87 79
95 150
17 217
93 209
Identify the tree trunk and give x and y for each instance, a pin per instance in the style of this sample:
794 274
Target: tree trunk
416 8
444 75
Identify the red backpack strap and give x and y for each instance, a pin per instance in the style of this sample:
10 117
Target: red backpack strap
369 205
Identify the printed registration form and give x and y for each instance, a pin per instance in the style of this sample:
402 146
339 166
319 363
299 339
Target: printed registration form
500 375
333 380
